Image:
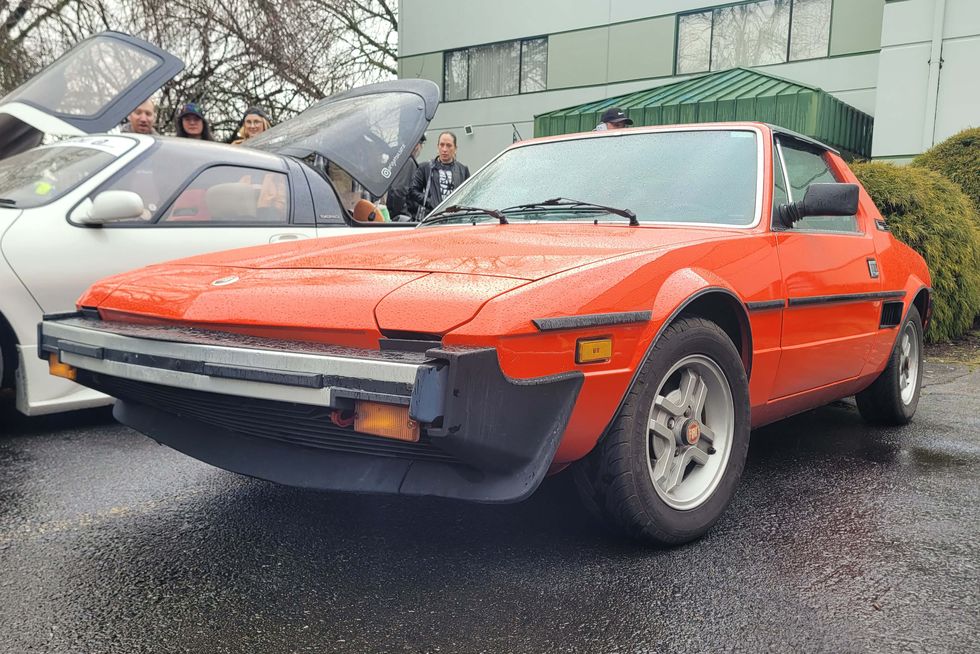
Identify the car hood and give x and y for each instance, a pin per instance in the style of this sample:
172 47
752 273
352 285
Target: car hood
519 251
349 289
88 90
369 131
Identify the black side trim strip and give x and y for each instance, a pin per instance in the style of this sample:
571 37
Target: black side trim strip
766 305
850 297
591 320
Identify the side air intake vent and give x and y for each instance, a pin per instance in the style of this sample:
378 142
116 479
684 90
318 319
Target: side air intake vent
891 314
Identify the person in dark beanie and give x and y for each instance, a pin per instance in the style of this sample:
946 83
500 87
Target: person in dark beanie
436 179
254 122
192 124
613 118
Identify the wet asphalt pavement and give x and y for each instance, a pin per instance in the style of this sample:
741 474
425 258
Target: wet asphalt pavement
842 538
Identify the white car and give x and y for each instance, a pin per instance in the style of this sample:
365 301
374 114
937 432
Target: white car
80 209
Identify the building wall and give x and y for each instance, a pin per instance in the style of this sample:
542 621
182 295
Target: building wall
604 48
918 104
437 25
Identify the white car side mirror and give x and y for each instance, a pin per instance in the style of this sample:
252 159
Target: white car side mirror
112 206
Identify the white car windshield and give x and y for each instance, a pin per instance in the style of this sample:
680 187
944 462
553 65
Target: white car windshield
692 176
42 175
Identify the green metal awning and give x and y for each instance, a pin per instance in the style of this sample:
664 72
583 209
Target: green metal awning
736 94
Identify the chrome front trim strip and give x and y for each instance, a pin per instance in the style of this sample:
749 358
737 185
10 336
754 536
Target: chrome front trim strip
258 373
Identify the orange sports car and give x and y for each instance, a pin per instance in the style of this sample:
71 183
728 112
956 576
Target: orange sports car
630 303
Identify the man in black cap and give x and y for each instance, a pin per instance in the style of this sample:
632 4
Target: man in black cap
613 118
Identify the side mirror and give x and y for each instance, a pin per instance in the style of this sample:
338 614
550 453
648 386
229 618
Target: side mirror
112 206
821 200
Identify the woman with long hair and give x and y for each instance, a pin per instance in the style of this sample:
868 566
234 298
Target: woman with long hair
254 122
192 124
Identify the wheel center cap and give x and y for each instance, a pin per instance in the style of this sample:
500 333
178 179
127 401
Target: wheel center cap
692 431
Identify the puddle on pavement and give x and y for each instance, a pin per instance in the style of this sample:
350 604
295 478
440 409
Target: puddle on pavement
953 455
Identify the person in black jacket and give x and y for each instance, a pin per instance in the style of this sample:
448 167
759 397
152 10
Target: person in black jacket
436 179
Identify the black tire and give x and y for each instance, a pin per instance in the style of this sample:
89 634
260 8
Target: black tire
616 480
893 397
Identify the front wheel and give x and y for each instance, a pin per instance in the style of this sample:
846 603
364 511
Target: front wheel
894 396
669 465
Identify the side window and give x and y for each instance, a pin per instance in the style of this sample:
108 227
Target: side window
153 178
232 194
804 166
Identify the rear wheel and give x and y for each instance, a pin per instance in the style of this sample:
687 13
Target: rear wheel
669 465
894 396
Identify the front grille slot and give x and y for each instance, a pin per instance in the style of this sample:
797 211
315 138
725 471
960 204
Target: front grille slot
286 422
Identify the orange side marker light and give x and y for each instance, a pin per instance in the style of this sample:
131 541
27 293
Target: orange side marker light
593 350
387 420
59 369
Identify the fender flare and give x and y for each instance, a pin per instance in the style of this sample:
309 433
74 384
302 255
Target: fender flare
677 311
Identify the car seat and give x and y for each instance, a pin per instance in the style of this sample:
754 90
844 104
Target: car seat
233 201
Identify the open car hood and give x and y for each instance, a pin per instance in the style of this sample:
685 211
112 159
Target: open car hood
369 131
89 89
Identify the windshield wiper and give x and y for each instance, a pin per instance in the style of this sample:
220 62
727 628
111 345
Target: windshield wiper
446 214
578 204
9 201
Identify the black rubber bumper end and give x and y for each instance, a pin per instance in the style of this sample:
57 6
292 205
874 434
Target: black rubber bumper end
501 436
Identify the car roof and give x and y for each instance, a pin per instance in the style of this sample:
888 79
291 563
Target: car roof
224 152
216 151
646 129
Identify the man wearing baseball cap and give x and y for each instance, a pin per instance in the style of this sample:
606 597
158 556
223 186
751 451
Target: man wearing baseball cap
613 118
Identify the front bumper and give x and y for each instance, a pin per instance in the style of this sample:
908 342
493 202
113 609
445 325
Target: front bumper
261 407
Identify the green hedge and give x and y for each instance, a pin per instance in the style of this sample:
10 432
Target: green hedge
958 159
932 215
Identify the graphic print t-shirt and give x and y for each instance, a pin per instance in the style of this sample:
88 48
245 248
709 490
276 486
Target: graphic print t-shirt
445 177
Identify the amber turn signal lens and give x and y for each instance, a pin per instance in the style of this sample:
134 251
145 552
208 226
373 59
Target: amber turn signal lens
59 369
593 350
387 420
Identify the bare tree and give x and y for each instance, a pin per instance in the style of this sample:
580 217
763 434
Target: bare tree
281 54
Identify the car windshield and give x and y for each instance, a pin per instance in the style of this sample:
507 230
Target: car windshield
42 175
694 176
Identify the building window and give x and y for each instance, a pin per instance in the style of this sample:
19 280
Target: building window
811 29
487 71
752 34
455 66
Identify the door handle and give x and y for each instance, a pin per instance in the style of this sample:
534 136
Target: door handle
290 236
